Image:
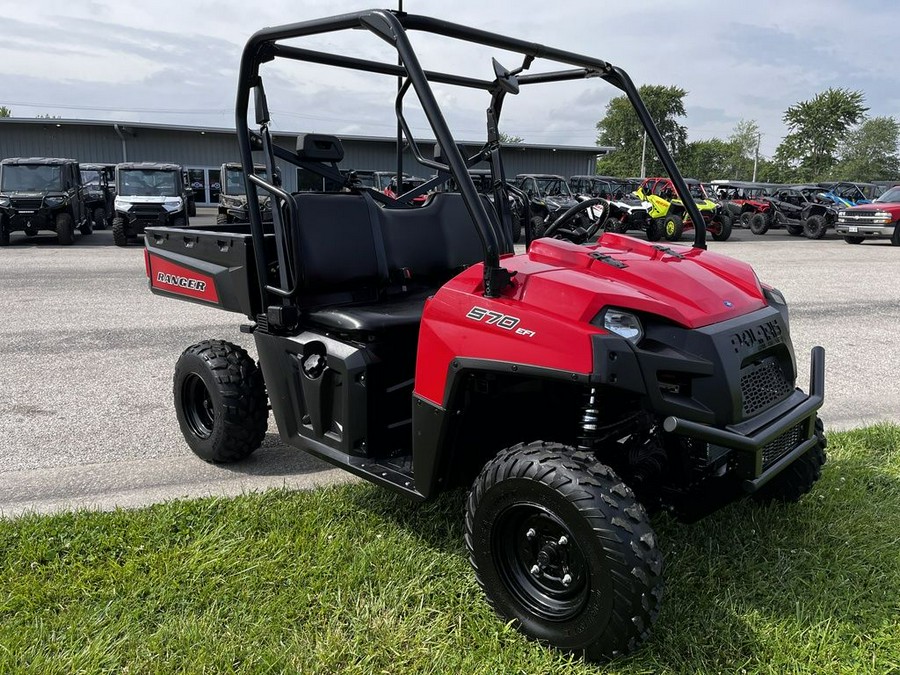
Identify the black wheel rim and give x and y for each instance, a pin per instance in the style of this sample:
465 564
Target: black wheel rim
197 404
540 562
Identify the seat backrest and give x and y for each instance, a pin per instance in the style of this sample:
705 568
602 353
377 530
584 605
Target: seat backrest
433 242
339 251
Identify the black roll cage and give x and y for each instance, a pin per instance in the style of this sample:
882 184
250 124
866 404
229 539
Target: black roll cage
391 26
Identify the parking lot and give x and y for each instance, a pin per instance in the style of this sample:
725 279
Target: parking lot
88 352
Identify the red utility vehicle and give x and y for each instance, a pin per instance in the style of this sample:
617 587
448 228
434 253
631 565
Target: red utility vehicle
572 388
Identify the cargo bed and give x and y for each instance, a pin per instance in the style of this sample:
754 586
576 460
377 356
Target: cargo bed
213 266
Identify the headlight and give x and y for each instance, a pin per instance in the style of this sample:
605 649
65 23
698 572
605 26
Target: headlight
774 296
53 202
172 204
624 324
4 201
121 204
842 214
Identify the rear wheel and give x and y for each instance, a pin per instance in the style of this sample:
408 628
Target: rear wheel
814 227
220 401
745 218
87 227
654 230
796 480
721 229
795 230
120 236
759 224
561 547
673 227
65 229
854 240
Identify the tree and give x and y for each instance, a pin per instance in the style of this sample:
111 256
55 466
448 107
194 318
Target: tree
706 160
508 138
817 128
5 112
621 129
869 152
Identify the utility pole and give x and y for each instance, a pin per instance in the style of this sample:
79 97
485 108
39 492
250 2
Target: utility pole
756 156
643 158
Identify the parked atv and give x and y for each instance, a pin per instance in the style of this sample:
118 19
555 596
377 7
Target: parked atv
845 193
148 193
800 209
549 197
623 211
670 216
573 388
742 199
41 193
99 181
233 198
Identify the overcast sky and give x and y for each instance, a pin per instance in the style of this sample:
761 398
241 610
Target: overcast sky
176 62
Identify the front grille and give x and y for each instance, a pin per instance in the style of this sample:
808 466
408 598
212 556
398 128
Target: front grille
27 204
782 445
763 384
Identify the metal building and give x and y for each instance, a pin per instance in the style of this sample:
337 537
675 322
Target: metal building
202 150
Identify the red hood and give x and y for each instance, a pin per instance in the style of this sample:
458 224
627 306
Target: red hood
891 207
689 286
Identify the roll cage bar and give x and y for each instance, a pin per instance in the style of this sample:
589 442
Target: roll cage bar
392 26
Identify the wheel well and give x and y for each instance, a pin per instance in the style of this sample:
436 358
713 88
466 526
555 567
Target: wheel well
491 411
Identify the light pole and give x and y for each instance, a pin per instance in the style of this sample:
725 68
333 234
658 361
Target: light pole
643 157
756 156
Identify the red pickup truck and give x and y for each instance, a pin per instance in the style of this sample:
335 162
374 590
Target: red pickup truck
878 220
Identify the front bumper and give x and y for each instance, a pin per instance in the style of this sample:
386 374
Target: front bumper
794 418
139 219
857 229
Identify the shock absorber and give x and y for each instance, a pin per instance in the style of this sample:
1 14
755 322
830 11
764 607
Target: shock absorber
589 426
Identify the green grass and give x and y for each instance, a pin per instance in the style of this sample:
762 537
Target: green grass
355 580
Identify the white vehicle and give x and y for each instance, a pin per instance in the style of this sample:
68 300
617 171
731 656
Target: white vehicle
148 193
623 210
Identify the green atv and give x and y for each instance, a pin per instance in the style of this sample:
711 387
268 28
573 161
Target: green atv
669 216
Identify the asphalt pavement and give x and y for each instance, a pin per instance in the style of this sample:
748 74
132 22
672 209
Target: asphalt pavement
87 353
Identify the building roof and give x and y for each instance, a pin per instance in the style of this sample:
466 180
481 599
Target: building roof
53 161
124 127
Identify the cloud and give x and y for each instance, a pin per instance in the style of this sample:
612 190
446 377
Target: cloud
139 61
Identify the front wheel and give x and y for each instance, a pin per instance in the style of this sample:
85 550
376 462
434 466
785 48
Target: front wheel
759 224
895 238
721 229
220 401
674 227
654 230
99 217
561 547
120 236
814 227
4 233
537 227
745 219
65 229
854 240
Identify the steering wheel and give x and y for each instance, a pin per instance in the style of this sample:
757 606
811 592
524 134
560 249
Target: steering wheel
577 235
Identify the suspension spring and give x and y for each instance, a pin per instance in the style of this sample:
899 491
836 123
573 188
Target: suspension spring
590 421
